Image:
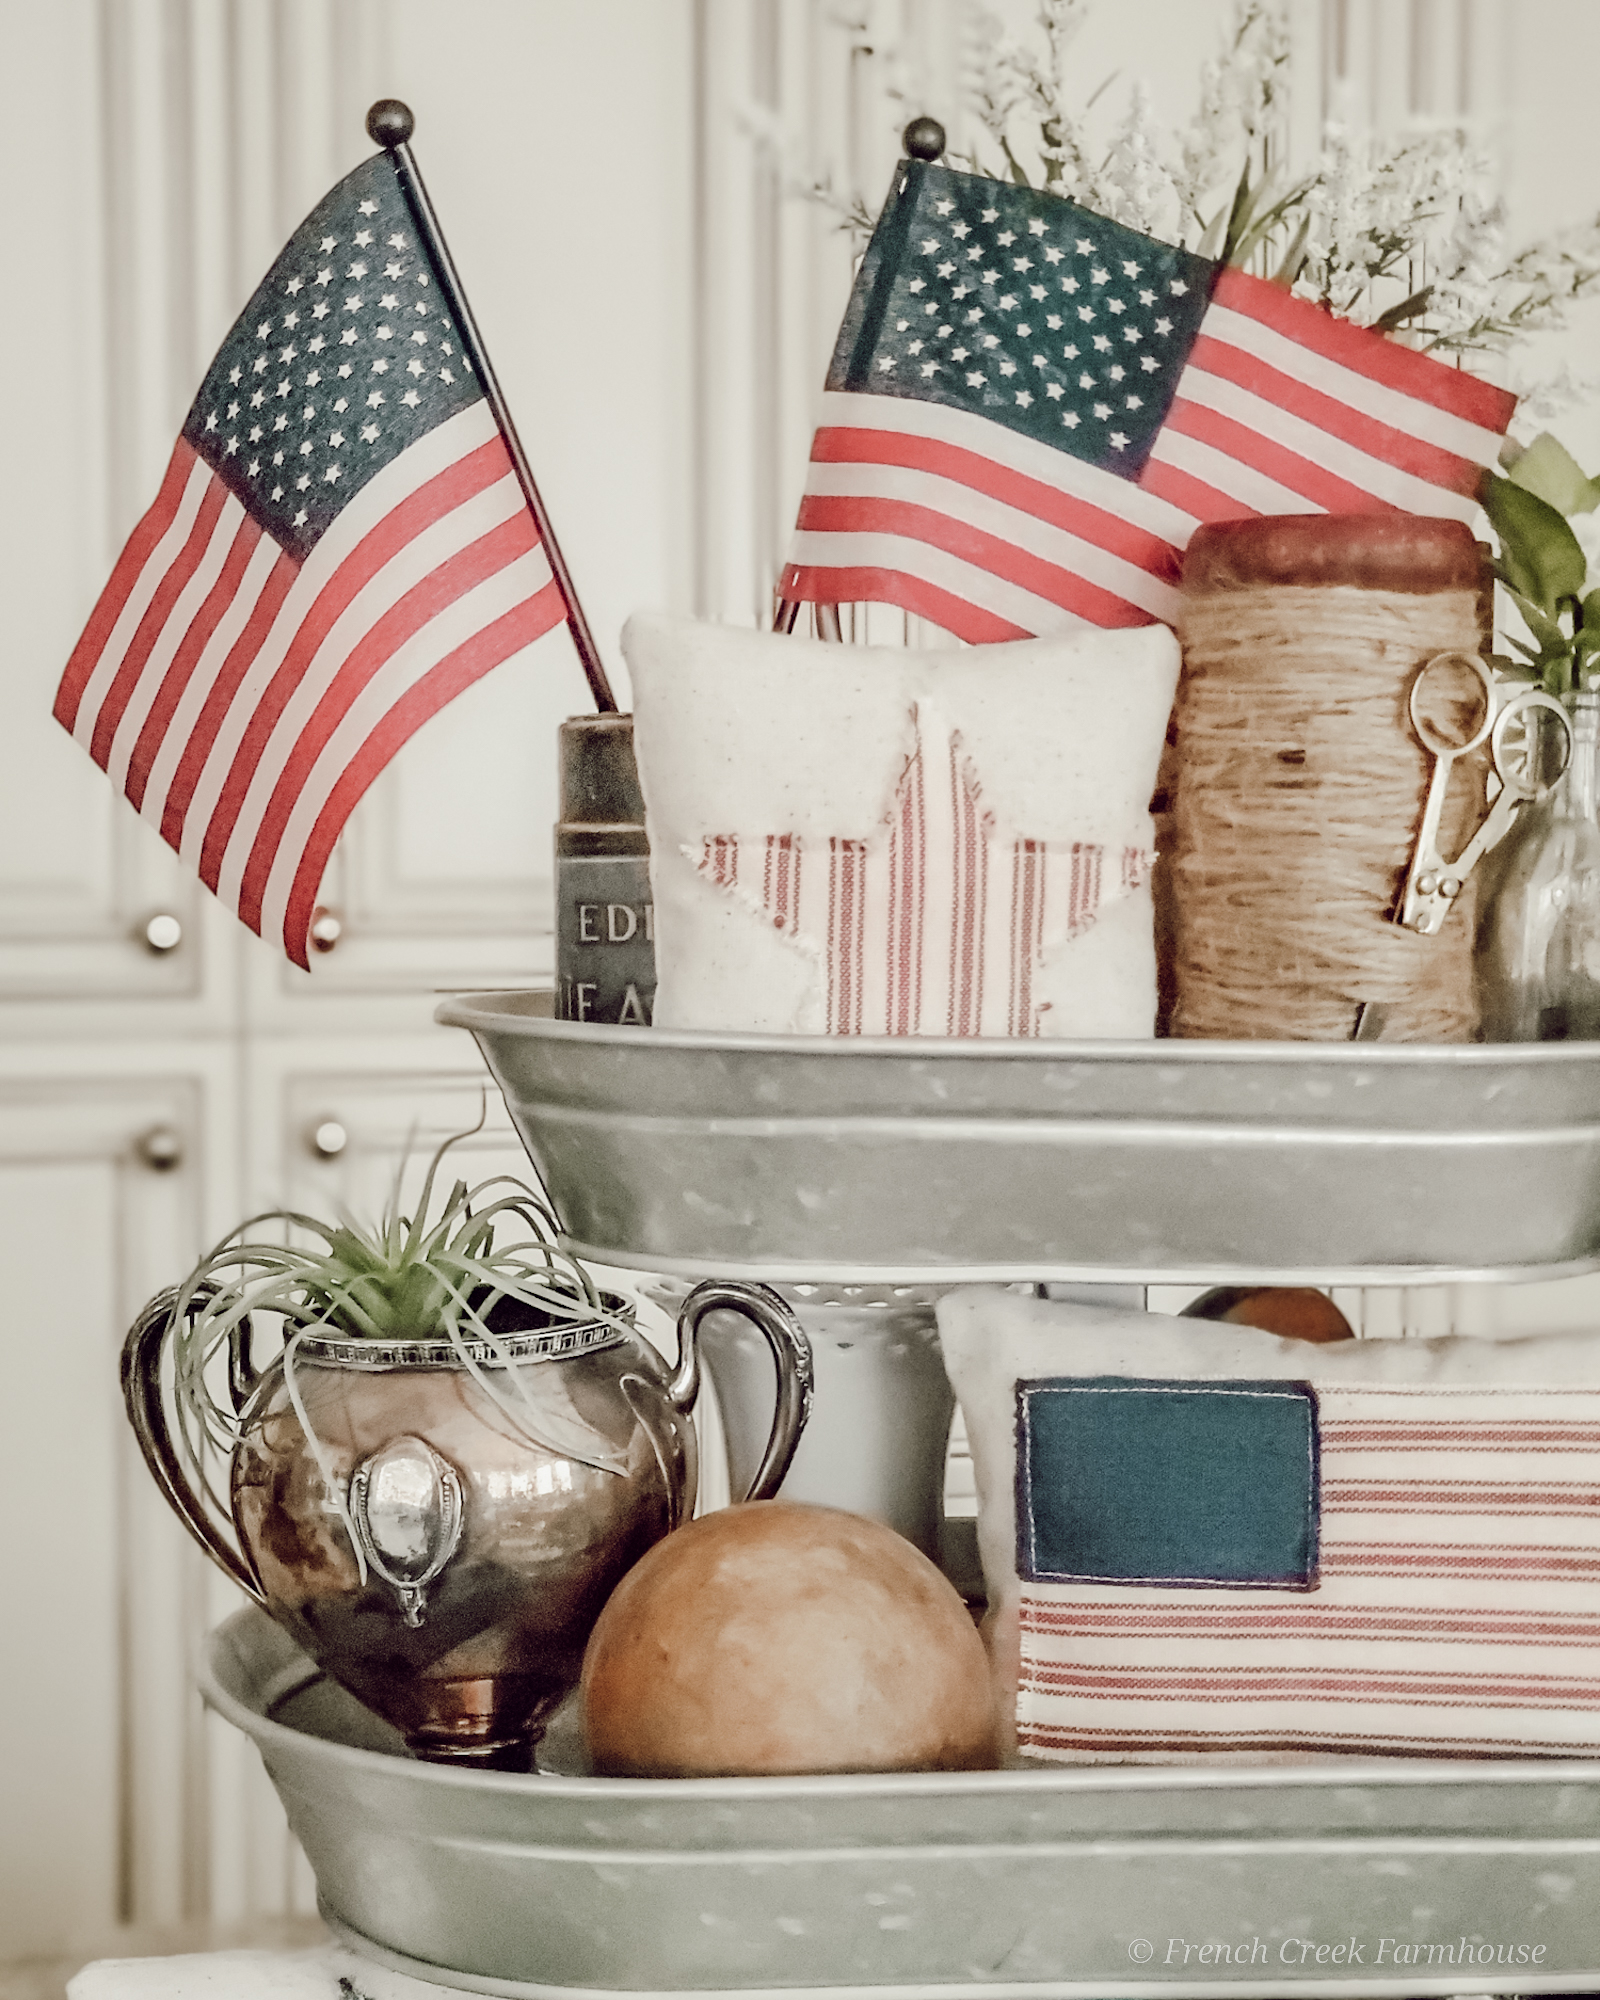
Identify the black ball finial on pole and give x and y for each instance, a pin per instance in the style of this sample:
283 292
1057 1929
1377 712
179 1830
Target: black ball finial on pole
923 138
390 123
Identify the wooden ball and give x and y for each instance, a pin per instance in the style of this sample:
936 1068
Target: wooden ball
1294 1312
773 1638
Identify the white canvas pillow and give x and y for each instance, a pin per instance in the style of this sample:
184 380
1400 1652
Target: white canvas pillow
866 840
1201 1540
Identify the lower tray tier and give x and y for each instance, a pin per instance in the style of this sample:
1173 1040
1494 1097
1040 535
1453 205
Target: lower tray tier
920 1161
1348 1877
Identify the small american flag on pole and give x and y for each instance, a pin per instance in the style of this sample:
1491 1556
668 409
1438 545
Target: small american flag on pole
1032 408
342 543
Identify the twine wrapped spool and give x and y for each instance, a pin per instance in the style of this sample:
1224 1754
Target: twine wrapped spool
1297 783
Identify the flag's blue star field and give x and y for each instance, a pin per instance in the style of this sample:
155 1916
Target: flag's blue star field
345 356
1025 309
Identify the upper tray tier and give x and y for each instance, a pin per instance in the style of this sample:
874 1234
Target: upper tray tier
919 1161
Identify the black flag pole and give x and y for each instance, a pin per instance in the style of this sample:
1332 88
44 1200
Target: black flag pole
391 124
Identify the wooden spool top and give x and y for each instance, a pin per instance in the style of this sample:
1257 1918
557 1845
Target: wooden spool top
1411 553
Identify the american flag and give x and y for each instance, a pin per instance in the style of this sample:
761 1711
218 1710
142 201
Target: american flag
1454 1612
1031 409
339 546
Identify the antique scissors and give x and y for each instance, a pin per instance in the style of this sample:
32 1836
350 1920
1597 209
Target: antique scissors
1520 774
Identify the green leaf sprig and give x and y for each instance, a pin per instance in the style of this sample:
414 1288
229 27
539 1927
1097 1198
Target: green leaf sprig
1543 567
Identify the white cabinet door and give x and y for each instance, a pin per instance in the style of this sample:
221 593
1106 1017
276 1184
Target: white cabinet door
79 875
109 1179
332 1121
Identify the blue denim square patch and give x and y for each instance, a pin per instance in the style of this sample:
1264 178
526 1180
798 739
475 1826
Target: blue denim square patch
1204 1484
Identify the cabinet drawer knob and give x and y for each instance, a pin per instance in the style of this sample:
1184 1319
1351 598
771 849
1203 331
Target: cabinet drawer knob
162 933
329 1139
326 928
161 1148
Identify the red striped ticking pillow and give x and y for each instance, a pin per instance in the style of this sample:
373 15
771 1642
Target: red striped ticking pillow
1204 1541
856 840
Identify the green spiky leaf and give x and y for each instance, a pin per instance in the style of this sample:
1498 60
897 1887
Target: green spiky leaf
1294 258
1552 636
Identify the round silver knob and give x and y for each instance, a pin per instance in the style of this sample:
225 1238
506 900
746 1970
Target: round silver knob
163 933
329 1139
161 1148
326 929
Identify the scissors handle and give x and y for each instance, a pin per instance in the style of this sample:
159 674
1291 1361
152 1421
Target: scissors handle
1525 781
1433 884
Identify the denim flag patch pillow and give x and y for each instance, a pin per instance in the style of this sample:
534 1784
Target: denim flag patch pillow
855 840
1203 1541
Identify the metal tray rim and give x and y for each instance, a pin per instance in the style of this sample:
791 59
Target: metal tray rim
1403 1772
966 1989
472 1010
1042 1270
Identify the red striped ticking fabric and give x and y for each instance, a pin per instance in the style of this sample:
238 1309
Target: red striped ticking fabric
937 926
244 699
1457 1609
1281 409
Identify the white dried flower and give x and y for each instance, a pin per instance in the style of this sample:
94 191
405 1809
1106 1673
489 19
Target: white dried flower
1406 235
1020 100
1543 397
1241 90
993 80
1140 187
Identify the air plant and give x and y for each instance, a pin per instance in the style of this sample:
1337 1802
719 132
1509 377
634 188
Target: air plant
436 1277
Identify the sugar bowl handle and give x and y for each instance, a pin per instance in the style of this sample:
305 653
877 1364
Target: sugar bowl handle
791 1352
142 1395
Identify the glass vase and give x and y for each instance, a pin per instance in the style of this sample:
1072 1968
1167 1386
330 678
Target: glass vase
1539 943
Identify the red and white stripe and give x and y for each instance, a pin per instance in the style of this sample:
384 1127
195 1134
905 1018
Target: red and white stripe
938 925
1457 1608
1281 409
907 912
244 700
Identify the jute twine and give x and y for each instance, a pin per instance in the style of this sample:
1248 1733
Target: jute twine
1297 787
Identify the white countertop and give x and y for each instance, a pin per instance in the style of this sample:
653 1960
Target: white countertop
326 1972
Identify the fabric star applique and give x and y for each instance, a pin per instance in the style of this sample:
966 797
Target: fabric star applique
939 923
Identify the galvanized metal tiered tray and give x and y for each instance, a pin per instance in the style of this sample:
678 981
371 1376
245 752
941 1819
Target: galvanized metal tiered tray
1014 1885
919 1161
728 1155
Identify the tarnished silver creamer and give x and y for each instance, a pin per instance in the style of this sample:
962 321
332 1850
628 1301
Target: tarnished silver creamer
439 1525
